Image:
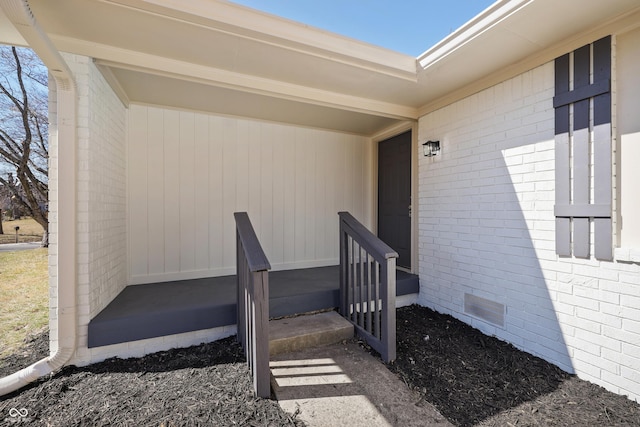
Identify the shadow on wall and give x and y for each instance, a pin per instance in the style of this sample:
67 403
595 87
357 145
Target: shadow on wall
628 146
486 216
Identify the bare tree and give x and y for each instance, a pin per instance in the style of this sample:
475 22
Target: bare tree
24 145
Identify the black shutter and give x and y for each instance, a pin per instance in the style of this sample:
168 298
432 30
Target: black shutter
583 151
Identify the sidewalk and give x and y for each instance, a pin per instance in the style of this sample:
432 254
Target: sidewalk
341 384
7 247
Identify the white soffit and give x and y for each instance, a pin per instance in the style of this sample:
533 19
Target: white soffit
219 48
161 90
161 39
507 33
269 29
8 33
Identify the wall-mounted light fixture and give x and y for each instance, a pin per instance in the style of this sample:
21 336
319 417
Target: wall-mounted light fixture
431 148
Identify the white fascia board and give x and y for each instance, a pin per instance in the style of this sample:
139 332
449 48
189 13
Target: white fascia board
480 24
136 61
270 29
617 25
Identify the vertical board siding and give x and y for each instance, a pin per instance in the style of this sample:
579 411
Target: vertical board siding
201 205
138 176
289 207
171 191
188 172
155 202
241 162
278 196
216 179
228 147
187 196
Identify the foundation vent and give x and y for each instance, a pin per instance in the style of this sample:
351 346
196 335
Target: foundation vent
484 309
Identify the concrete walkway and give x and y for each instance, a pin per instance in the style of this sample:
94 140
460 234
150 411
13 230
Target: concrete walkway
342 385
8 247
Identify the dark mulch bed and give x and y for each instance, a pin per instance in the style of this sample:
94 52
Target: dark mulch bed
471 378
35 348
474 379
205 385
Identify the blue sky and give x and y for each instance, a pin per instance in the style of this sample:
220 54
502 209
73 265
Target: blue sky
407 26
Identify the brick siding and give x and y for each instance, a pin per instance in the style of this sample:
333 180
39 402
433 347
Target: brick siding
486 228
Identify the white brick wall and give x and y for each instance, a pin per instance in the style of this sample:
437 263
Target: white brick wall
101 209
486 227
106 203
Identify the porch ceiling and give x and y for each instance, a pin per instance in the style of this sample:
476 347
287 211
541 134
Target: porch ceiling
216 56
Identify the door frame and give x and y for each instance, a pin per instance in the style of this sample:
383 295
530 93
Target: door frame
375 140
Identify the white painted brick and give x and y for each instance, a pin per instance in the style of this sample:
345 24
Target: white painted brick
632 302
587 303
585 363
630 278
581 322
624 361
631 375
632 326
623 336
101 174
596 294
547 348
608 366
621 385
499 173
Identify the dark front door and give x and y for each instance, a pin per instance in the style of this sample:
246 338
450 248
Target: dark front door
394 195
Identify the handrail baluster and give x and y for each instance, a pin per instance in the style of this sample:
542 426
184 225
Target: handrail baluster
380 333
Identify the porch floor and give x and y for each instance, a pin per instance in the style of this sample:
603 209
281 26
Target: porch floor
160 309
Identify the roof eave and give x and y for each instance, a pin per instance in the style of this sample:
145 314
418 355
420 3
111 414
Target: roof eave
481 23
249 23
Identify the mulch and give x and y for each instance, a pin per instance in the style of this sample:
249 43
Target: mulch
477 380
473 380
205 385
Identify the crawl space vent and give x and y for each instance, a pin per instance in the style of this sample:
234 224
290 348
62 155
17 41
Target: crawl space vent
484 309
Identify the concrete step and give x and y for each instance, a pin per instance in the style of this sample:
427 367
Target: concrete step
301 332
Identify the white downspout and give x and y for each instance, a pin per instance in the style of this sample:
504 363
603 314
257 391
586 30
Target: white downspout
20 14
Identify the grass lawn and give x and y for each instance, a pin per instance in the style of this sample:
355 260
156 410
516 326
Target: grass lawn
30 231
24 297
